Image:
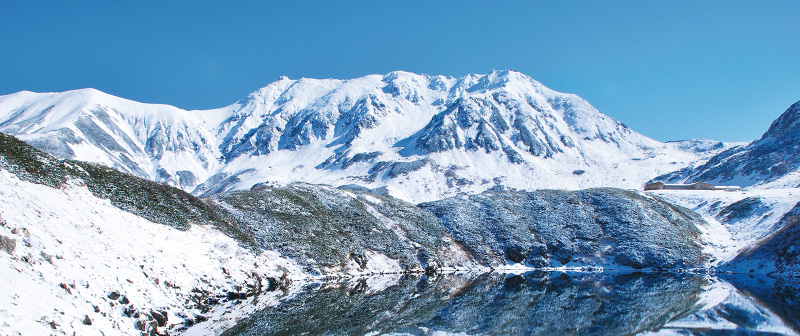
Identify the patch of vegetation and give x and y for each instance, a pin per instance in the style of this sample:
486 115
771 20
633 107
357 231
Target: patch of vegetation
324 226
153 201
741 209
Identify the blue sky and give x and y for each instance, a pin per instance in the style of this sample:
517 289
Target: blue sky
670 70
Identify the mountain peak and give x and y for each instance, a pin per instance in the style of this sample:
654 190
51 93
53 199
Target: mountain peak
787 125
770 162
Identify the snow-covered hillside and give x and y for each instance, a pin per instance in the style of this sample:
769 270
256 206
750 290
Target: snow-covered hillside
736 220
422 137
752 230
72 263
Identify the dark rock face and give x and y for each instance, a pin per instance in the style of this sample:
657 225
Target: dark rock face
773 156
590 227
343 160
482 118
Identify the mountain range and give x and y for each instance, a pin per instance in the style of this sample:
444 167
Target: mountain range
416 137
307 180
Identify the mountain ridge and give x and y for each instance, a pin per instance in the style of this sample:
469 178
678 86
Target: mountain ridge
419 137
773 161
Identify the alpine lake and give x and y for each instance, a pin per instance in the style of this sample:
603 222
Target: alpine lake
534 303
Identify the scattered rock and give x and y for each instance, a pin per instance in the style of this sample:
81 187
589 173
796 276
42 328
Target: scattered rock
140 325
8 244
113 296
65 287
46 256
87 320
161 320
124 300
272 284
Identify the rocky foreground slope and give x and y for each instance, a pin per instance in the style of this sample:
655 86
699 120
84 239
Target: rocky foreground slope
121 255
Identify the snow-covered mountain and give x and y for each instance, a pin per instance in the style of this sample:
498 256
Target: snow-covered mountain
157 142
767 163
421 137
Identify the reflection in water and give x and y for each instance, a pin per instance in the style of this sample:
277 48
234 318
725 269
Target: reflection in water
536 303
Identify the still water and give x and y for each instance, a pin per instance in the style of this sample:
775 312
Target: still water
536 303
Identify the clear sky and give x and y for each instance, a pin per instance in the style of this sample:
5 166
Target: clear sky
668 69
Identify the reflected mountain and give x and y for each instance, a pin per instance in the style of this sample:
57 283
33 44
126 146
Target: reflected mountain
535 303
779 295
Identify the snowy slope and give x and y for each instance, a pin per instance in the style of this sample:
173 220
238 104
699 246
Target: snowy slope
755 225
73 250
736 220
422 137
773 161
157 142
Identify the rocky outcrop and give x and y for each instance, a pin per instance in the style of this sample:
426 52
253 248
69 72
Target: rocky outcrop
594 227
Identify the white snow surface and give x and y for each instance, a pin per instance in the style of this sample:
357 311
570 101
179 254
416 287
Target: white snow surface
70 237
474 132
